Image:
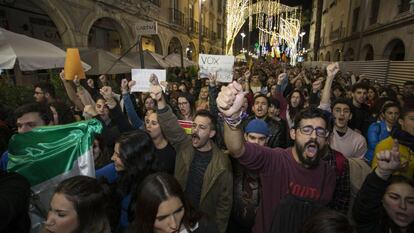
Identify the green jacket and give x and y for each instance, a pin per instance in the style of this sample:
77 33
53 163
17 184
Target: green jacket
217 190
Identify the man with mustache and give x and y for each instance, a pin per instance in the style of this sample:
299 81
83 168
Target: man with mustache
291 178
201 168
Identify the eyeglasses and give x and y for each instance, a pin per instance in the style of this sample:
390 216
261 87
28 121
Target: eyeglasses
320 132
182 103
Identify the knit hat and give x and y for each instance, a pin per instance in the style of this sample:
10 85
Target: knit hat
257 126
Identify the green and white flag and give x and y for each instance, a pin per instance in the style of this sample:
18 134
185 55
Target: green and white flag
48 155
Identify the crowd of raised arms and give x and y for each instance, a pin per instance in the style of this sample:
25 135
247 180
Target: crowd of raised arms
281 149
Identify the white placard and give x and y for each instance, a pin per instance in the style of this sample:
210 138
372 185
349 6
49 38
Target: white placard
221 64
146 28
142 78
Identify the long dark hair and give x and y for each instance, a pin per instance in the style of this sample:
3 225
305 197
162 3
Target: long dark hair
328 221
293 111
385 219
136 151
155 189
89 200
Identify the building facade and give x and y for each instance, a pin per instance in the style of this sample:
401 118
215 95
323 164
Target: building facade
348 30
110 24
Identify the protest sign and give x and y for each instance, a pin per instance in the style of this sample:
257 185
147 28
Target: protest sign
216 64
73 64
142 78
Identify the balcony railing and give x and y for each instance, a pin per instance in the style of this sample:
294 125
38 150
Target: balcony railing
176 17
191 25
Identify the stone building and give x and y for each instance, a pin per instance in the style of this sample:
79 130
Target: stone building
347 30
110 24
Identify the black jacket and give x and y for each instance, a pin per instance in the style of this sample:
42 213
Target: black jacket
14 203
278 131
368 211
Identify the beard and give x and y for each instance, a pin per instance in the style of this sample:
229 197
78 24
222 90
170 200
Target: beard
310 162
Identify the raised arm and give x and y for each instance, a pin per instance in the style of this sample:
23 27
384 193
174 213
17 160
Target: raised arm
129 107
115 111
325 103
167 120
368 202
71 91
83 94
229 102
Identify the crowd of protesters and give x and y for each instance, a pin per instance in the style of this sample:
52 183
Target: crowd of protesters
281 149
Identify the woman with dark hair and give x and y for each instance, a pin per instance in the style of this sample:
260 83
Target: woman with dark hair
372 96
296 102
162 207
328 221
78 205
380 130
132 162
385 202
186 106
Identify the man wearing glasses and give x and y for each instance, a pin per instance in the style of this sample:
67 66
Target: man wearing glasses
295 181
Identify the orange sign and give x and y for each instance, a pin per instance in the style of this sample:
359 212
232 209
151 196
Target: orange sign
73 65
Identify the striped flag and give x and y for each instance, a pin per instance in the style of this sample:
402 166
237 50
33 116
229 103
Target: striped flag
50 154
186 125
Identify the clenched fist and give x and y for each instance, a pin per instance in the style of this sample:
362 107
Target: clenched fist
230 99
332 69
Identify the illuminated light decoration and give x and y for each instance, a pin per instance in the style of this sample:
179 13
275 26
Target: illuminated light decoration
236 15
278 25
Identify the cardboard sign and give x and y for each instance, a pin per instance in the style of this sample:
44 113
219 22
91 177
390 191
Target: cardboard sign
217 64
73 64
142 78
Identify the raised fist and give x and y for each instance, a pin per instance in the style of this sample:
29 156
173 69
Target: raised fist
389 160
103 79
230 99
62 75
156 92
76 81
106 92
280 78
212 79
332 69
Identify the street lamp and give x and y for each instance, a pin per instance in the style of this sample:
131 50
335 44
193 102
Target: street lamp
301 38
242 36
200 24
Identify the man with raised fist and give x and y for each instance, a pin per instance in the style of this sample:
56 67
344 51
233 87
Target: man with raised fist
295 181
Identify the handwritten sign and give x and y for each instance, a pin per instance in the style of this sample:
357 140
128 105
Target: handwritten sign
216 64
142 78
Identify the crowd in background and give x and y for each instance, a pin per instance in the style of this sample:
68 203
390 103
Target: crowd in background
281 149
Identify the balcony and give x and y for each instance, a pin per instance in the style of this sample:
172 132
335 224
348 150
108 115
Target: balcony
176 17
192 26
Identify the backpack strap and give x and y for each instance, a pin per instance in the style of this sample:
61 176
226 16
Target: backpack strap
339 162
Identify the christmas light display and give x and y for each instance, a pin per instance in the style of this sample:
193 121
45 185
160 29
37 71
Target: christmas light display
278 24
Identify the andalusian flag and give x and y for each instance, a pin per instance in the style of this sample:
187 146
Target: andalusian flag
48 155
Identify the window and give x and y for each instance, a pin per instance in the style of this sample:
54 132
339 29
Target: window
404 6
355 18
374 11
